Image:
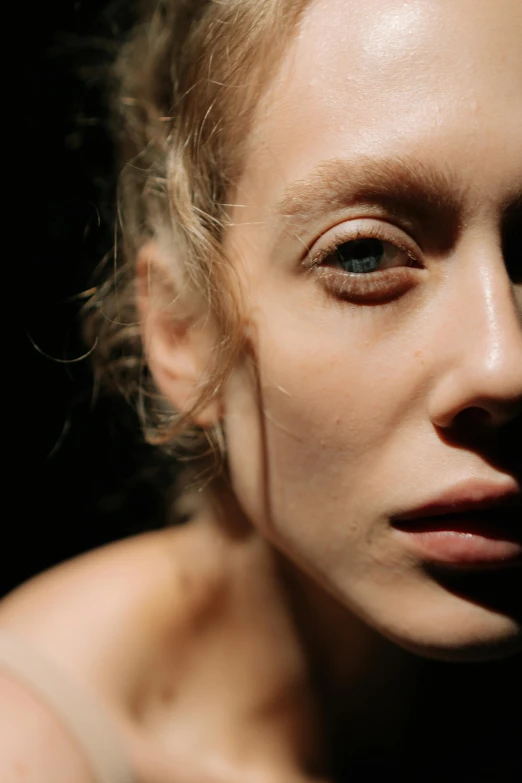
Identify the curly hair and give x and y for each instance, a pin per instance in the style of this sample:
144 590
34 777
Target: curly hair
183 89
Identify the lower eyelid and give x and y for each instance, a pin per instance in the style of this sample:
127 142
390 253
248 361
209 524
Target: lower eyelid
385 285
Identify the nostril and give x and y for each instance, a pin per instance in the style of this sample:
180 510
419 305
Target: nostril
490 416
495 435
479 417
475 427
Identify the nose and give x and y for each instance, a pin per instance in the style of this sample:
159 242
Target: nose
480 348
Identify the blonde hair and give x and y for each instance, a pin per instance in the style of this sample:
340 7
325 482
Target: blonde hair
184 88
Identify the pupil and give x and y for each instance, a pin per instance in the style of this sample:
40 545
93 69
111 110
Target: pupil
361 255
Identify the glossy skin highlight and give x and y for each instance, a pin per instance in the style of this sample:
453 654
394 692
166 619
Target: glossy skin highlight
353 410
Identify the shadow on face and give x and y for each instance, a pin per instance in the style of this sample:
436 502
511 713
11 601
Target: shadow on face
376 247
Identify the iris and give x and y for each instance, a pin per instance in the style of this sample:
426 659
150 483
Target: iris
360 255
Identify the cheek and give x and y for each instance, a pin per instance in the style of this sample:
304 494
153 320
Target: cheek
316 420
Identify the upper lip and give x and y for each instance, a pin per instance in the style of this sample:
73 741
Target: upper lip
469 496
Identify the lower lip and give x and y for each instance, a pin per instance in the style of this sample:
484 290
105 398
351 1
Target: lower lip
463 540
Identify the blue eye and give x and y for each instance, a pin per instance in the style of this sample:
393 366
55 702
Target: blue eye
360 256
365 267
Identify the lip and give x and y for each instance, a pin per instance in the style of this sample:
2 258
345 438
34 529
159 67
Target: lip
471 524
470 496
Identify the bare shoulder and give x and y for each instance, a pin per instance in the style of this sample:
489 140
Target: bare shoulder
114 622
34 746
103 614
161 628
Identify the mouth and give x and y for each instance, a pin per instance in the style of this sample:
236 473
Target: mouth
485 532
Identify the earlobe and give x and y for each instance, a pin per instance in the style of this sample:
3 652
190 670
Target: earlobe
178 336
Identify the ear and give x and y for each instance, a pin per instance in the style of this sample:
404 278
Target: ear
178 336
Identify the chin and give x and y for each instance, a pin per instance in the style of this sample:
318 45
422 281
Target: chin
447 616
469 617
475 648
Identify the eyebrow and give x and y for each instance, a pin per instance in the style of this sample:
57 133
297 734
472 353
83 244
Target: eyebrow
408 189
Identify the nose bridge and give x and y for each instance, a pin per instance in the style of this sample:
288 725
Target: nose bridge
481 351
496 317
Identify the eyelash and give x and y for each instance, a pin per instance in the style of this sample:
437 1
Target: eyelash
382 285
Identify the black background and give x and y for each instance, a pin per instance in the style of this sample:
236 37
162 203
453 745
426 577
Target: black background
83 476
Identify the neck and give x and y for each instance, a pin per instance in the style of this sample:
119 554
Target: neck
362 680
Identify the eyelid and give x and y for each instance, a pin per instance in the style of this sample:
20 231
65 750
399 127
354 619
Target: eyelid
371 228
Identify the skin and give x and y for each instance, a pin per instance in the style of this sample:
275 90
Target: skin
354 411
268 618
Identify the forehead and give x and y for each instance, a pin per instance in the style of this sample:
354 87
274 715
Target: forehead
434 81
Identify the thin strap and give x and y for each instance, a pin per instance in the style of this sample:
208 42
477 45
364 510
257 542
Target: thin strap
77 709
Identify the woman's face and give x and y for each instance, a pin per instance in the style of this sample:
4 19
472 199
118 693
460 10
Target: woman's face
387 376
